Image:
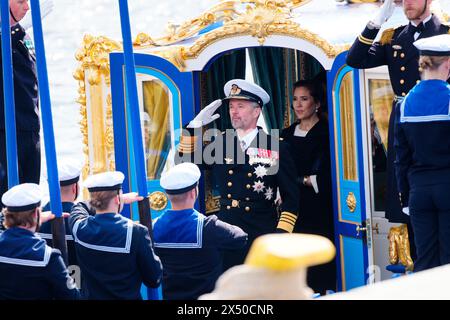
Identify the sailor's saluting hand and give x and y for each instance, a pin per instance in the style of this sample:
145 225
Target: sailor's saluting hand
206 115
383 14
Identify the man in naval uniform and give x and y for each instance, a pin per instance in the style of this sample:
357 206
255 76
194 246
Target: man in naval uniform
25 96
249 166
114 253
69 175
187 242
395 49
29 269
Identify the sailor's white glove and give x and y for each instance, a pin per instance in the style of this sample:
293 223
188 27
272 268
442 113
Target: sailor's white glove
206 115
46 8
383 14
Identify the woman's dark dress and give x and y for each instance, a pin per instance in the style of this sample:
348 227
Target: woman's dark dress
312 157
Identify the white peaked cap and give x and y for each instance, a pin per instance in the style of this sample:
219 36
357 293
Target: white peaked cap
106 181
22 197
245 90
181 178
434 46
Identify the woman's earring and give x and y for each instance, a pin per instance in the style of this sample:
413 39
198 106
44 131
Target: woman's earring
317 109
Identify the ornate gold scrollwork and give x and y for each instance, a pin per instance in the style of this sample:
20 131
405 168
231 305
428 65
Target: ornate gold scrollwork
260 19
93 57
351 202
158 201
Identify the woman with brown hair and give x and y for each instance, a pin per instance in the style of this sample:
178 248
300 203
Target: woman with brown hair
308 139
422 142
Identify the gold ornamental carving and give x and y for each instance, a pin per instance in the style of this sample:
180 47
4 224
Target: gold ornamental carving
256 18
351 202
158 201
399 247
93 58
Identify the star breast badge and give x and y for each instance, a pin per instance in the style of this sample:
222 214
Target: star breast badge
258 186
260 171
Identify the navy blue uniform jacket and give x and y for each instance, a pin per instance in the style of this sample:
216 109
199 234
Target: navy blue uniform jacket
189 245
31 270
115 255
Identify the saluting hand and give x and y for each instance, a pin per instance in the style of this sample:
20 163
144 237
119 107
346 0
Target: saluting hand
385 12
128 198
46 216
206 115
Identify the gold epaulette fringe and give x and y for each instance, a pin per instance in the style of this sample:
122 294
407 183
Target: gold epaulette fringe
386 37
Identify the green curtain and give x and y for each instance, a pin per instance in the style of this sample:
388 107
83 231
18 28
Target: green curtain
269 72
229 66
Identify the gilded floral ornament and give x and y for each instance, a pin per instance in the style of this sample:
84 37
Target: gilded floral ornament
93 57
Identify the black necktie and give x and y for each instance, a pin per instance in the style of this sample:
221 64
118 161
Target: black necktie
420 27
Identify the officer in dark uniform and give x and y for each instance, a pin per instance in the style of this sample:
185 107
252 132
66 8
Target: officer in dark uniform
114 253
395 49
249 166
26 102
29 269
69 175
423 154
188 242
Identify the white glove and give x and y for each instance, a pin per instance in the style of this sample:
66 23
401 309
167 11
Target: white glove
206 115
384 13
46 8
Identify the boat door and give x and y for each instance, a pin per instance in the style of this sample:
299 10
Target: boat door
348 137
166 100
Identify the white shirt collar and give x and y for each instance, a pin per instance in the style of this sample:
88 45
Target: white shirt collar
249 137
424 21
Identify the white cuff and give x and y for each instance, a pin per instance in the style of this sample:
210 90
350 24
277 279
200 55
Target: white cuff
314 183
195 124
406 210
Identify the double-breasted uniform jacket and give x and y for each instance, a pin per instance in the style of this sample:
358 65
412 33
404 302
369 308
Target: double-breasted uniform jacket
31 270
115 255
189 245
248 181
396 50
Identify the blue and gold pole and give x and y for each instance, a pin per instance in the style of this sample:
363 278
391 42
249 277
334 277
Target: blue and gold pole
8 93
144 205
58 227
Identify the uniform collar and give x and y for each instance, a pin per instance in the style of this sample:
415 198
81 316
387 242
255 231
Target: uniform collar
424 21
19 246
181 229
249 137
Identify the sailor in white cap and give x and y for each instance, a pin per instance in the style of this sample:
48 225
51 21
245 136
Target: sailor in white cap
29 269
249 166
114 253
188 242
69 175
423 154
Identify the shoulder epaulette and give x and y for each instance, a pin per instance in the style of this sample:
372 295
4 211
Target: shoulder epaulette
386 37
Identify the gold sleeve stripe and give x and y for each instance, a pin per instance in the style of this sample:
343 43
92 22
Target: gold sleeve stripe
288 215
285 226
365 40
